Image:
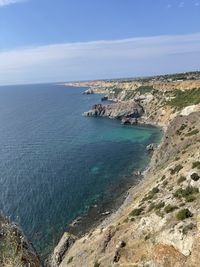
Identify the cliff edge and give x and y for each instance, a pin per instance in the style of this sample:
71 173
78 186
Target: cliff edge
158 225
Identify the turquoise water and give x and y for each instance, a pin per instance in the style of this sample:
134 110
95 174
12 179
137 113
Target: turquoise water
55 163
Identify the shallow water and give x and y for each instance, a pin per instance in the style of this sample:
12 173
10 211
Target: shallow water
55 163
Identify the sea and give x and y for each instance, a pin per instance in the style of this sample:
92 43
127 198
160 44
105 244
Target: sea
57 165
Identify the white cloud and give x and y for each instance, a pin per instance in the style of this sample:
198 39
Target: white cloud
9 2
181 4
100 59
196 4
169 6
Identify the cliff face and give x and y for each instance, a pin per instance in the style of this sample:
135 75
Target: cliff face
15 249
159 223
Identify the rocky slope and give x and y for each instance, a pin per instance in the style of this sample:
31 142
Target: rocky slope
159 223
15 249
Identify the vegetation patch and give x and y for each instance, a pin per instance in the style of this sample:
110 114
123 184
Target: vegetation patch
151 206
185 98
176 169
169 208
144 89
183 214
186 193
163 177
196 131
136 212
70 260
159 213
165 183
126 220
190 198
181 179
196 164
159 206
152 193
96 264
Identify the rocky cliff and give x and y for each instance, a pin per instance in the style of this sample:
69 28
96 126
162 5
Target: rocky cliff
159 223
15 249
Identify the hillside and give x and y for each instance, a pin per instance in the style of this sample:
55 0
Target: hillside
159 223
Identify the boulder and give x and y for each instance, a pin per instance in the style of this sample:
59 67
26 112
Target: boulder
104 98
88 92
150 147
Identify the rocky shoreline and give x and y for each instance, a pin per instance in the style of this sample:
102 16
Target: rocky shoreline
158 224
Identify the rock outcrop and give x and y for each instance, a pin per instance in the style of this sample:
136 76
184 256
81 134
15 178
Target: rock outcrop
15 249
61 249
120 110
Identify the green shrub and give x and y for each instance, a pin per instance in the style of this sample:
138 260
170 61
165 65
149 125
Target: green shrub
183 126
196 165
155 190
144 89
190 198
159 213
165 183
189 190
196 131
163 177
136 212
183 214
176 169
185 98
169 208
151 194
160 205
70 260
96 264
126 220
151 206
181 179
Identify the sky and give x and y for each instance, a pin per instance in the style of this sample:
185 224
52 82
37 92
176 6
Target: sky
70 40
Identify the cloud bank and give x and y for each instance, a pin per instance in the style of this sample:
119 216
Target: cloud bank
9 2
100 59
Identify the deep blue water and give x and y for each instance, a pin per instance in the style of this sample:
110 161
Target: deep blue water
55 163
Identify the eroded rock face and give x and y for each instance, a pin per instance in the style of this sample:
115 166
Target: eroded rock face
15 249
61 249
124 109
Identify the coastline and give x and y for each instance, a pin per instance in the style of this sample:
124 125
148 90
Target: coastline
157 220
102 211
143 224
86 223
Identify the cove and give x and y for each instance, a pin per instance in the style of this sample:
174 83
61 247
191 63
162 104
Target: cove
57 165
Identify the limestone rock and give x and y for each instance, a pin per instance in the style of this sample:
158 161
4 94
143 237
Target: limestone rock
15 249
61 249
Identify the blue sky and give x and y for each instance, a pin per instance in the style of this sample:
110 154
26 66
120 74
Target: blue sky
63 40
